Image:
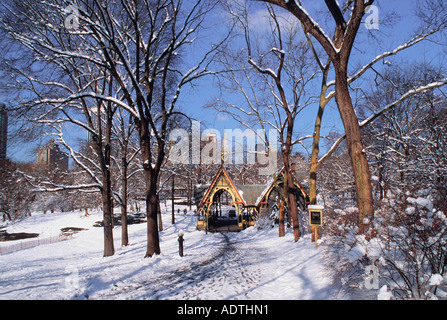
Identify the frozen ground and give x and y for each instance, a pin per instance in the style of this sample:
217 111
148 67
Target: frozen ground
250 264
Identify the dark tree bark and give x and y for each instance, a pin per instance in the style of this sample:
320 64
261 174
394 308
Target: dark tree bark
124 169
339 51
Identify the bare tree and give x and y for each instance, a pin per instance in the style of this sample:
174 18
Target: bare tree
55 68
404 144
338 50
429 30
158 33
273 83
140 44
121 54
123 131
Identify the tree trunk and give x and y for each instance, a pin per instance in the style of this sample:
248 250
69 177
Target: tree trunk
160 222
153 241
362 175
107 207
124 231
190 188
316 140
151 178
292 207
314 158
281 230
106 193
172 200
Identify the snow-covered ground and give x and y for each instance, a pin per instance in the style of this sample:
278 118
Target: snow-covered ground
252 264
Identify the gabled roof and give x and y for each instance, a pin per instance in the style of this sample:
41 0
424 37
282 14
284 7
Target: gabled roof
250 192
222 173
249 195
271 185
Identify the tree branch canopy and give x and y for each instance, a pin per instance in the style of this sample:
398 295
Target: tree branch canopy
309 24
336 14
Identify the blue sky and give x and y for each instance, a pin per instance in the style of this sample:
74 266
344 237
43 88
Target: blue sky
369 44
397 22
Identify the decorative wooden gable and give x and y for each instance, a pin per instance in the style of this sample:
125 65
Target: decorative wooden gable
222 182
262 199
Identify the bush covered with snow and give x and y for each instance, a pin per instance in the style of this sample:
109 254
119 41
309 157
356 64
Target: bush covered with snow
408 253
413 239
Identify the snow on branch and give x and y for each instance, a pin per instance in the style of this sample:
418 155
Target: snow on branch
47 186
416 39
91 95
407 95
263 70
76 158
388 107
313 27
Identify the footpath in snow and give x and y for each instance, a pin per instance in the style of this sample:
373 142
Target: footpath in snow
252 264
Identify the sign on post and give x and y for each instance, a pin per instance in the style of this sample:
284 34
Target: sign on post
315 220
315 215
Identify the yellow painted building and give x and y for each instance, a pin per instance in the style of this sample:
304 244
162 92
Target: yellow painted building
248 202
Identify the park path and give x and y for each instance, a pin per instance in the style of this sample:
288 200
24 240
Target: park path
227 273
253 264
240 266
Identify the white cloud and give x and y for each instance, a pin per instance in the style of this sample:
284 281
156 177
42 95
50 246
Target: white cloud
222 116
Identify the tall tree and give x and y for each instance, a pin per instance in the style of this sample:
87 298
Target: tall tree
134 48
406 144
338 50
272 77
47 65
428 30
140 43
123 132
147 60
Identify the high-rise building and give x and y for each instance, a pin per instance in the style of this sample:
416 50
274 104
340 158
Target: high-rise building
3 131
51 157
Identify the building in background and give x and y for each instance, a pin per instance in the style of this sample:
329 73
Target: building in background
96 124
3 131
51 157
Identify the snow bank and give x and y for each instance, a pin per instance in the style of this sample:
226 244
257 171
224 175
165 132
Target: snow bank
252 264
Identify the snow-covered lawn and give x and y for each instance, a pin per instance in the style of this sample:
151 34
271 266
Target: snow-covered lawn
251 264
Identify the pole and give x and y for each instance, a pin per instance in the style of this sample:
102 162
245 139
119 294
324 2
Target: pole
315 234
180 243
